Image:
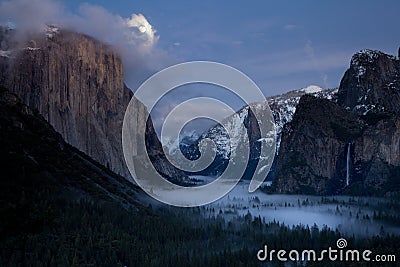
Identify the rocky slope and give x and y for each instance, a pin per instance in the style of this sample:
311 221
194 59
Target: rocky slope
357 139
36 161
76 83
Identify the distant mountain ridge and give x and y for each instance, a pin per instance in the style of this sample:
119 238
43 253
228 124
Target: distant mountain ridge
282 106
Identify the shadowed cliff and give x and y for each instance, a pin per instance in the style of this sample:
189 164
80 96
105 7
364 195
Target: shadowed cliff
76 83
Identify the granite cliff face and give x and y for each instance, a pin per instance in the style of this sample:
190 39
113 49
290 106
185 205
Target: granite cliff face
356 139
76 83
313 148
371 89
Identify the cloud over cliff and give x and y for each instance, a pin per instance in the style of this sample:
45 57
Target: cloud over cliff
134 37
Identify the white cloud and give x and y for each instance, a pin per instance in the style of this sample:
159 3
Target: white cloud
238 42
146 30
134 37
325 79
296 61
34 15
129 35
31 15
192 111
275 67
309 49
290 27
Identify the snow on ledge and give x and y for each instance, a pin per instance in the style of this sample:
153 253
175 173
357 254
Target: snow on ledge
311 89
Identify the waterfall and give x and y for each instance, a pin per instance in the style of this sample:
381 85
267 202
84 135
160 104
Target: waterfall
348 165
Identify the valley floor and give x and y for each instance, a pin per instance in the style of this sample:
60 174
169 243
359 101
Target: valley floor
359 216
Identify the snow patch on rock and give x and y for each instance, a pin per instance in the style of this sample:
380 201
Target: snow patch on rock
311 89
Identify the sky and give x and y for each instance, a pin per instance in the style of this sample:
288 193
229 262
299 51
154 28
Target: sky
280 45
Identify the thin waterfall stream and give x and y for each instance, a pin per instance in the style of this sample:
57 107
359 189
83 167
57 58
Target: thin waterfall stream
348 165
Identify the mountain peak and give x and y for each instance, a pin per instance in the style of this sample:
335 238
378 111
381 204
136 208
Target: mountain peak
311 89
367 57
368 54
372 79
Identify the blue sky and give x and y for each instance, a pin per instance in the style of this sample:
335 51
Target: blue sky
281 45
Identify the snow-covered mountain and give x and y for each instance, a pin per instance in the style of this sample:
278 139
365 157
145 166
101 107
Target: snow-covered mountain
282 106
